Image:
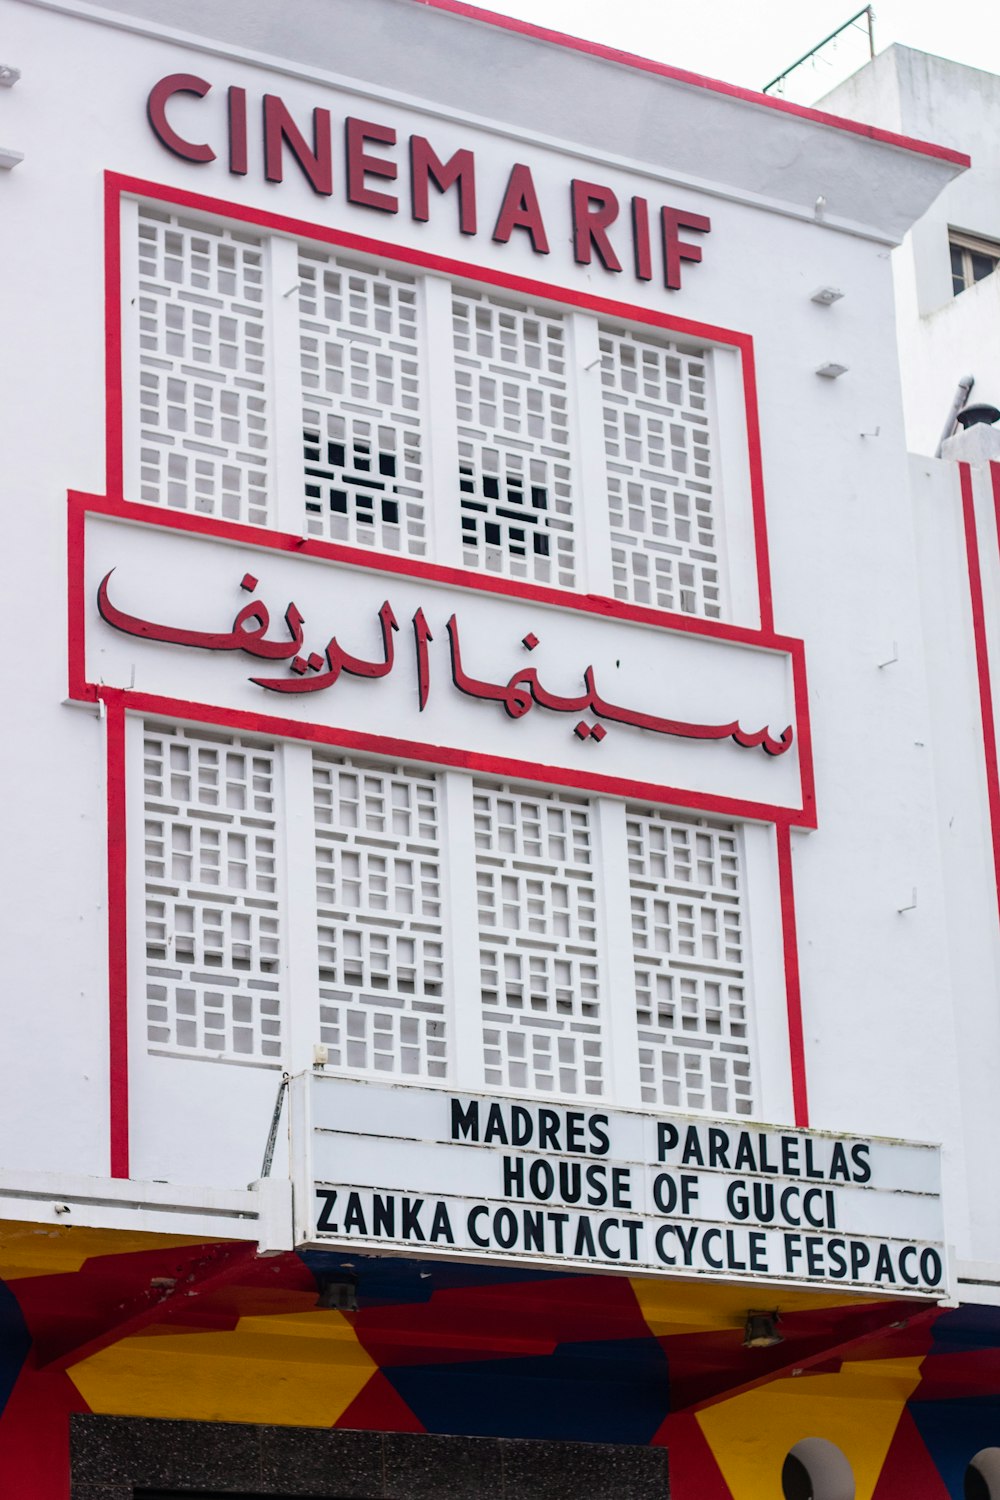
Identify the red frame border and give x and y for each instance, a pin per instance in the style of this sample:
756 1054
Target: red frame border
114 503
979 631
83 690
118 186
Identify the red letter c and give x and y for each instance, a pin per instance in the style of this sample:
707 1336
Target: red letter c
177 83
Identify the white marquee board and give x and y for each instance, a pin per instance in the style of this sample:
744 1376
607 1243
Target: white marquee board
430 1173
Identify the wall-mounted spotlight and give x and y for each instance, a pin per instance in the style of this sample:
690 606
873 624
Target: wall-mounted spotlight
826 295
761 1330
338 1291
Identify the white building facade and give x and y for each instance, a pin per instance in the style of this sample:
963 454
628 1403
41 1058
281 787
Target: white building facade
485 725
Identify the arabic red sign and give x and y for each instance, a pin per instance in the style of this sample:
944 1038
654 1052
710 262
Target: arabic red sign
439 666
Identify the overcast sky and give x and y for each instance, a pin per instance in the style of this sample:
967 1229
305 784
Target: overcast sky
749 41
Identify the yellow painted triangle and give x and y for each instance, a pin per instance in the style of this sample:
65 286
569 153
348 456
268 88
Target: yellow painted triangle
858 1410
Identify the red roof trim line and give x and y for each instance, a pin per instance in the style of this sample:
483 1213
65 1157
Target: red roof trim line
698 80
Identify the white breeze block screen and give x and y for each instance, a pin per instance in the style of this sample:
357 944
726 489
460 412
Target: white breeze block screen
202 362
691 1004
384 969
513 439
290 386
212 924
361 404
378 891
538 941
657 436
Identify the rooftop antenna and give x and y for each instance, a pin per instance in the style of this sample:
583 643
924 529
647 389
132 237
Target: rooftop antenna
867 11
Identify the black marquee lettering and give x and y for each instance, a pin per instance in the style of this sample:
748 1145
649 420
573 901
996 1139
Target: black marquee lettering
931 1268
505 1228
711 1234
584 1244
603 1230
884 1270
839 1170
464 1120
441 1224
328 1197
354 1218
598 1127
718 1148
666 1139
692 1147
472 1224
384 1215
521 1125
496 1129
548 1130
412 1228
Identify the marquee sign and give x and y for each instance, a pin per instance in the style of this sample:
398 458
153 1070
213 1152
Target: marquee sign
443 666
427 1172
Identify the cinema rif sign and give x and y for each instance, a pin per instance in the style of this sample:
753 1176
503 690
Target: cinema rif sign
439 666
431 1173
377 163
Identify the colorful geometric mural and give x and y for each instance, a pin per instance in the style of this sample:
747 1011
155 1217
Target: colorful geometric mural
145 1325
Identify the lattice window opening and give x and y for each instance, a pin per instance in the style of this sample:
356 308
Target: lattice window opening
202 381
363 443
696 1080
692 1008
213 940
663 548
512 402
540 1062
381 958
658 440
541 984
215 1021
538 927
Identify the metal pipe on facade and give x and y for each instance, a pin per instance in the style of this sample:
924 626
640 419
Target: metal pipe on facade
961 397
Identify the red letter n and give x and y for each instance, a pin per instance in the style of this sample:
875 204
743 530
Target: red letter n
279 127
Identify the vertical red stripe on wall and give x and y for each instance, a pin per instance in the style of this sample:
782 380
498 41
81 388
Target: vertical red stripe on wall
758 507
113 334
114 704
793 991
983 655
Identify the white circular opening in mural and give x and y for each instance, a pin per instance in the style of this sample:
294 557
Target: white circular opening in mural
982 1477
817 1470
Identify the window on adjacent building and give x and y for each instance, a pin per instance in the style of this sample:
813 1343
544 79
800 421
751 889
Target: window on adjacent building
972 259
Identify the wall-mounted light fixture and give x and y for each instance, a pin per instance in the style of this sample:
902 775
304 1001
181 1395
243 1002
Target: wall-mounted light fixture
761 1330
826 295
338 1291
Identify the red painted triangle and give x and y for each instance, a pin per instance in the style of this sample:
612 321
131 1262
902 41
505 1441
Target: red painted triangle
379 1408
693 1469
34 1435
909 1468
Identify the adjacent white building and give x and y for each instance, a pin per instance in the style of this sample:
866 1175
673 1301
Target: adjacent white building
947 299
